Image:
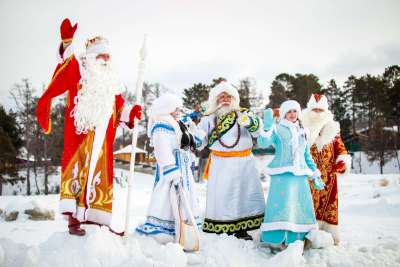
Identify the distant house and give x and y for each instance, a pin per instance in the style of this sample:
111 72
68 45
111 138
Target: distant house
354 142
124 155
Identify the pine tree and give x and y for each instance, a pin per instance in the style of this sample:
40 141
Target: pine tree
303 85
244 92
277 96
195 95
10 142
339 107
298 87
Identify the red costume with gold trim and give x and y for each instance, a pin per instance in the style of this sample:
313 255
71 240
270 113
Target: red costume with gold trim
331 157
88 200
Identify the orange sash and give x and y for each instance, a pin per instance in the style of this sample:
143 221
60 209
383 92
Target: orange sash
224 154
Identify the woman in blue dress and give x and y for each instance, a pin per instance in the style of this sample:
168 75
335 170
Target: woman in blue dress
289 213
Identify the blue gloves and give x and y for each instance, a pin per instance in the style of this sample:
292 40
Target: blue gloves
268 119
318 183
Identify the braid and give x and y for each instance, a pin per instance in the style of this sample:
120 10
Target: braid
302 127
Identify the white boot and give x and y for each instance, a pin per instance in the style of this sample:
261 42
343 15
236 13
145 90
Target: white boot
334 231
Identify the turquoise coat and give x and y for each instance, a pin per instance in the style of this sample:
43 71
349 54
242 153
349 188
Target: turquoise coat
279 136
289 211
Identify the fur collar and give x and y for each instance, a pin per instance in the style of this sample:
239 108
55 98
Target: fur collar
169 120
323 131
327 134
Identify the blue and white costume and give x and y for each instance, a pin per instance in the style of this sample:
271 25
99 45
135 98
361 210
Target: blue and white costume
289 212
173 166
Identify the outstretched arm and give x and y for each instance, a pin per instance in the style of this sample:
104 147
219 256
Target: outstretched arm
267 136
251 122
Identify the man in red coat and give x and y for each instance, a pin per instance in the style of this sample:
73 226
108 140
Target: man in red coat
94 109
331 157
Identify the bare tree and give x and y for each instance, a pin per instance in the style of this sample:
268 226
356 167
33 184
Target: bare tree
22 93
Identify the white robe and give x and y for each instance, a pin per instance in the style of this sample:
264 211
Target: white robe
172 163
235 199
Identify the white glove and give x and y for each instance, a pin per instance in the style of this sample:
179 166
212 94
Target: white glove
244 120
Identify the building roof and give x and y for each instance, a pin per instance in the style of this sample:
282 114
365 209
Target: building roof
128 150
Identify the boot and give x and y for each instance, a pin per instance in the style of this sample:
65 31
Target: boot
74 227
242 234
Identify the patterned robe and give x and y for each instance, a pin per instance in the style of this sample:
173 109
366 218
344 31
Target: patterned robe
235 199
326 201
89 199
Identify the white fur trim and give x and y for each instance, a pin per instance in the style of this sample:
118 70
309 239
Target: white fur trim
321 104
327 134
288 105
100 46
126 112
166 119
292 169
299 228
124 118
67 53
93 215
323 128
68 205
347 163
218 89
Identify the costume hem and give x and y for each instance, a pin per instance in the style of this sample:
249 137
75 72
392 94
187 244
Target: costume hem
233 226
294 227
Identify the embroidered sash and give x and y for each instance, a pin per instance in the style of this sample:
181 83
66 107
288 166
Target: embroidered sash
222 128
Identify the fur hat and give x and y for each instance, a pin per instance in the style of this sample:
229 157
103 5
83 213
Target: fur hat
97 45
289 105
318 101
165 104
221 88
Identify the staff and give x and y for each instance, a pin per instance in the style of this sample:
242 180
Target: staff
139 86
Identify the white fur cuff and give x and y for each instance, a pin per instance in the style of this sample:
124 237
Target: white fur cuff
346 158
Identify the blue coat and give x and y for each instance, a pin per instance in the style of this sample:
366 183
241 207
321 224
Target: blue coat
280 136
289 211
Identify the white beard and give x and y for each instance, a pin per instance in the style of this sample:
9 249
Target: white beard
314 122
95 100
224 110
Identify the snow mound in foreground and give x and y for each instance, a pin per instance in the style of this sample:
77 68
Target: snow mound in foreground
100 247
320 239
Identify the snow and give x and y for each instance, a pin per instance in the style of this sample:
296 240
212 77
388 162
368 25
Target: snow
320 239
128 149
369 216
361 164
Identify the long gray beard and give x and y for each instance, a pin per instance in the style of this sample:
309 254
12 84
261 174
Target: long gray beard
224 110
94 102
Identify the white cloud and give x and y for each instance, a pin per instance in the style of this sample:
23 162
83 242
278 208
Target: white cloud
195 41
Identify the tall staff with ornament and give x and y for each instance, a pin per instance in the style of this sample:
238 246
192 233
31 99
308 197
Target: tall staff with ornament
138 94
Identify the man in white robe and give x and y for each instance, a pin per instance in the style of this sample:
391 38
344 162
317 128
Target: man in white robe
235 199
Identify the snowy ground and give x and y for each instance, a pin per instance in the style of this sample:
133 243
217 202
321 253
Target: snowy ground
369 214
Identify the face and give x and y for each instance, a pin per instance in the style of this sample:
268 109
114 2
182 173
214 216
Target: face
103 58
224 99
291 115
176 114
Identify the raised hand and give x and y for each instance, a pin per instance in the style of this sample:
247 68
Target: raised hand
268 118
67 30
